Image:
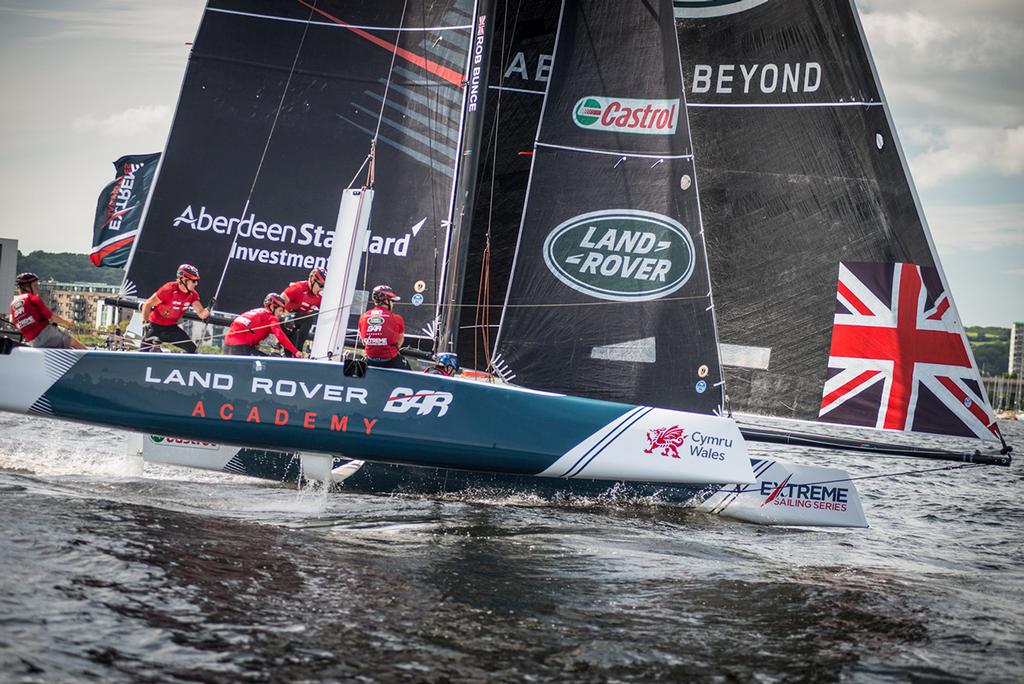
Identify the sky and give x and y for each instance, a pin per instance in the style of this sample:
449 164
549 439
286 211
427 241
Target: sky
84 82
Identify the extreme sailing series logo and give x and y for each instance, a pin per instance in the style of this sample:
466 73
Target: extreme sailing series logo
621 254
625 115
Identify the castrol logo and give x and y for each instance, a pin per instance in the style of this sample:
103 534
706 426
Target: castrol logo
625 115
177 442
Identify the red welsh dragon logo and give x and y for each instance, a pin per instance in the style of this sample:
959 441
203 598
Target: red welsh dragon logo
668 439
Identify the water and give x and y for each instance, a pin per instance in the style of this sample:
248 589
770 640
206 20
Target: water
114 573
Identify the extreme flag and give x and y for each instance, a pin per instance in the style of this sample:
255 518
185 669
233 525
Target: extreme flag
119 209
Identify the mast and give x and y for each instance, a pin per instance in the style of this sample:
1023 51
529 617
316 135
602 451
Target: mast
460 212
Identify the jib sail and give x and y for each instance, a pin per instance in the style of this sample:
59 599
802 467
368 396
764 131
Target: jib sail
830 298
276 113
609 295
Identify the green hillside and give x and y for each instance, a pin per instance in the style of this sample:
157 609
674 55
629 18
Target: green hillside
991 347
66 267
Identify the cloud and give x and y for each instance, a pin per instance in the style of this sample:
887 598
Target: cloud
961 45
129 122
949 63
977 228
163 27
963 150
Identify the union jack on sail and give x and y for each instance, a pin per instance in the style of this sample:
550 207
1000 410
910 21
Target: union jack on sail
899 358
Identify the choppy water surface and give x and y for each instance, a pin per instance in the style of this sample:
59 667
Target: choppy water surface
114 573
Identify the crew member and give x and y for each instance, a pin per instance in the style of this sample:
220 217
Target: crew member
303 297
383 331
35 321
252 327
445 364
167 305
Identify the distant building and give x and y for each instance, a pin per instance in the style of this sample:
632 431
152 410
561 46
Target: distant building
80 303
1016 348
8 264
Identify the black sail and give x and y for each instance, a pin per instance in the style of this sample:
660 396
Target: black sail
524 38
830 300
275 117
609 295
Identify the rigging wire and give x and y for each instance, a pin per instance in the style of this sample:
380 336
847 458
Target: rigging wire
371 157
266 149
482 317
746 489
436 202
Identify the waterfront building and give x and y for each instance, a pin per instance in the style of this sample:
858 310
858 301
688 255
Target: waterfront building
81 303
1016 348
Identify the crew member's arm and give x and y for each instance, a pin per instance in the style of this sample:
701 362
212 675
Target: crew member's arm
149 305
49 315
61 321
200 310
275 328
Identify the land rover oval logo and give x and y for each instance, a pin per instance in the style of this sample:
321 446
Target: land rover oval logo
687 9
621 254
156 438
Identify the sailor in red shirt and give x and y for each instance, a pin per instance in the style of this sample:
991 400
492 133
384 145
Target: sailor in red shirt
35 321
303 297
252 327
383 331
167 305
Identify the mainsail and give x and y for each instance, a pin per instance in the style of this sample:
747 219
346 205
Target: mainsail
276 113
815 235
609 296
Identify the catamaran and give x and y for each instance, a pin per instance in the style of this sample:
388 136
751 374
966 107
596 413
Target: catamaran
560 144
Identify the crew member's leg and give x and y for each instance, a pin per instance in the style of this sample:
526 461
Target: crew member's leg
52 337
242 350
172 334
397 361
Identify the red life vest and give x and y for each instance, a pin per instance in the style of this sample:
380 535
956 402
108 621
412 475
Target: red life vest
380 329
300 298
173 304
30 314
253 326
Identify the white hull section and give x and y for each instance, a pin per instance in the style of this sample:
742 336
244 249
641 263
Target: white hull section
659 445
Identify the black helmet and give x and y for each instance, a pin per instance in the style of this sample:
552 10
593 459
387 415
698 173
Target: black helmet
274 300
318 276
384 293
26 278
189 272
